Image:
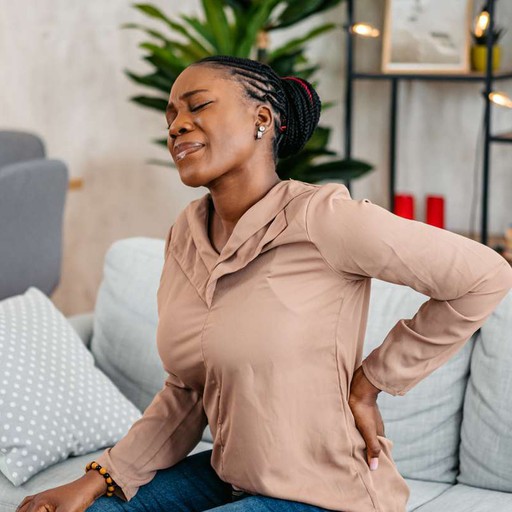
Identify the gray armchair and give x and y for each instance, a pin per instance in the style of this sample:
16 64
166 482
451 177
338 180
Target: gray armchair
32 198
16 146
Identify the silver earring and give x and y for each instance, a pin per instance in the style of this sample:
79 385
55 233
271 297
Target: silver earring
259 133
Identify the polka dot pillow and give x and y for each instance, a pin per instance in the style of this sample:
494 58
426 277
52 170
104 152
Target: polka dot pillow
54 403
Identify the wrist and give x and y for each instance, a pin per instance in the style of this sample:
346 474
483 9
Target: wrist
96 483
371 388
362 387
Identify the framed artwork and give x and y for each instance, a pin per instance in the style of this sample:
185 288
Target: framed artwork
429 36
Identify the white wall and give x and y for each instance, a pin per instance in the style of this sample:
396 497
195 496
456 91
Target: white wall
62 77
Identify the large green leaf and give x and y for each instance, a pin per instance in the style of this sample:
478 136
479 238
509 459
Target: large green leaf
167 56
184 52
326 105
286 64
346 169
298 42
154 33
162 67
255 22
218 23
161 142
156 13
307 73
239 5
319 139
155 103
299 10
203 30
156 80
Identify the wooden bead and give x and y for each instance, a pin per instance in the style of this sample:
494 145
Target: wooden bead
110 488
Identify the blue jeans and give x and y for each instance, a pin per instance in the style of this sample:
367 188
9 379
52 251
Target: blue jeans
192 485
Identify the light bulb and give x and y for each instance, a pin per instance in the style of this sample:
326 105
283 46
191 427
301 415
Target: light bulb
501 99
364 30
481 23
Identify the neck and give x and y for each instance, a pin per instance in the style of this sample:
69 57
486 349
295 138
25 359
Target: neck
232 196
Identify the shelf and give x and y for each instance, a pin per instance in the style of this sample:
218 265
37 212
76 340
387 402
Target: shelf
502 137
453 77
394 79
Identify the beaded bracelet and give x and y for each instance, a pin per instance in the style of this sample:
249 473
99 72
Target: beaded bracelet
111 484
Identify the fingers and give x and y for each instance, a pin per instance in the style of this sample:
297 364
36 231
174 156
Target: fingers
368 429
25 502
369 422
380 424
29 504
373 452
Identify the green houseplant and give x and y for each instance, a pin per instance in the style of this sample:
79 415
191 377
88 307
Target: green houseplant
234 27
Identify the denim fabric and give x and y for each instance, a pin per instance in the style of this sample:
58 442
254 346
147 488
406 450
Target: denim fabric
193 486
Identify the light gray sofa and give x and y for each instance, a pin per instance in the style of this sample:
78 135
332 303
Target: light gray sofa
451 433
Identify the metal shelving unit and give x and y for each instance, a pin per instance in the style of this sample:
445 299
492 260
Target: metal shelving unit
487 78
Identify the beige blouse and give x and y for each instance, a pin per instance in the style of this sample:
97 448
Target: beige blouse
261 342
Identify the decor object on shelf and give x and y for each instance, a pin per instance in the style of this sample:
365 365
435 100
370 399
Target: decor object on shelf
429 37
404 206
434 207
242 28
480 35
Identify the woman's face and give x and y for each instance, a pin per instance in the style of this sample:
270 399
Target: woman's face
212 125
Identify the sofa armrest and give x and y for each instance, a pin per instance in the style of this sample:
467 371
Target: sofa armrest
83 324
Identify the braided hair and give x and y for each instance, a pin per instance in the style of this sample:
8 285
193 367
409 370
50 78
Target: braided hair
293 99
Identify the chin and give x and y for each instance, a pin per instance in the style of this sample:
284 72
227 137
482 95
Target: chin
193 177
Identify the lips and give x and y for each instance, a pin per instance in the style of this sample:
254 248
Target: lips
186 148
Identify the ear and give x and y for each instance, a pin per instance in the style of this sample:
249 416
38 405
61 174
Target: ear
264 117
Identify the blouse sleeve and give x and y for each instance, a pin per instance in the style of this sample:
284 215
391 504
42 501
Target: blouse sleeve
464 279
170 427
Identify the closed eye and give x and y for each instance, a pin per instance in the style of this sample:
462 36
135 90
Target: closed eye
193 109
199 107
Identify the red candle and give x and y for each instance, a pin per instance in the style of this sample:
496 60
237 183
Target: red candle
404 205
435 210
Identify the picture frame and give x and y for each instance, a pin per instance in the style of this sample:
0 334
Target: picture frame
427 36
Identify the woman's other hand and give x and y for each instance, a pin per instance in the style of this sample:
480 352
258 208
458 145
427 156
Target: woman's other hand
75 496
363 403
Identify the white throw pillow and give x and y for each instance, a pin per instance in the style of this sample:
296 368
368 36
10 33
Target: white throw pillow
54 402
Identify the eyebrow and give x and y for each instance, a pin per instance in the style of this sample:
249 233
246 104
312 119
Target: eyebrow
185 95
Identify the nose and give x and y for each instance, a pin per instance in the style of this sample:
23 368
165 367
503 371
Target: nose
181 124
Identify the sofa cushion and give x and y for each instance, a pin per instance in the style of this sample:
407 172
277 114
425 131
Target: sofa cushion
424 424
486 444
423 491
463 498
125 318
53 401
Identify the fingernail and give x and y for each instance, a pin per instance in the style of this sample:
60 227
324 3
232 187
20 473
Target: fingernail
374 463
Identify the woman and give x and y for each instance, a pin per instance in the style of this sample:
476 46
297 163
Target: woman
262 303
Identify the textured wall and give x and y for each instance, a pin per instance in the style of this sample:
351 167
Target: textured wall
61 77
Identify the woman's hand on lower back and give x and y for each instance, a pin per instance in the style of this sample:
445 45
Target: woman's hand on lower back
363 403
